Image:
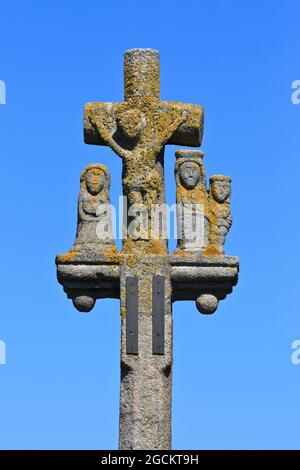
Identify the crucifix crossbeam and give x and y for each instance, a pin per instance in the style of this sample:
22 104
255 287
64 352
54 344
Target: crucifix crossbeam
143 108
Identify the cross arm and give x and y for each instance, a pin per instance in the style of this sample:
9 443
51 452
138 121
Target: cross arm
190 132
100 125
104 113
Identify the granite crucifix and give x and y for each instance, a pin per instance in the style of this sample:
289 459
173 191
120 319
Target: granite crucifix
145 277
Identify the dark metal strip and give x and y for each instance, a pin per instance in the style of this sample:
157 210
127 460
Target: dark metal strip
131 315
158 315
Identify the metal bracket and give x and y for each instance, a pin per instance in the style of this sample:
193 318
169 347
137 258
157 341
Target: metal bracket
131 315
158 315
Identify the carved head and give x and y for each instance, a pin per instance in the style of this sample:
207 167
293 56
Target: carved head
96 178
189 174
189 169
131 123
220 187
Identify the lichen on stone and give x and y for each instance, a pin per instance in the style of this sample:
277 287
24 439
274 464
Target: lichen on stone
66 257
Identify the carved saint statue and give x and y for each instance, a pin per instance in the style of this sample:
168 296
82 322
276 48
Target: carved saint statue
191 200
220 219
94 226
203 217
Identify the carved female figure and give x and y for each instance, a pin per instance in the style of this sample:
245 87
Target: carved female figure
191 200
220 219
94 228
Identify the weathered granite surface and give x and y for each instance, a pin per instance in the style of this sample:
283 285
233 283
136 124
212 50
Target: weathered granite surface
220 219
191 200
146 379
137 130
191 195
94 227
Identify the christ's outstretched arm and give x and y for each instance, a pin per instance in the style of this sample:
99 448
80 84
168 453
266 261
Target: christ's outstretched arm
167 134
107 138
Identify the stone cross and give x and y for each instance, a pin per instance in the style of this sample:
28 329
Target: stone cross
145 277
139 128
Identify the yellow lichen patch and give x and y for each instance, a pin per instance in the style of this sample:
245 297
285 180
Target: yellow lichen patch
135 250
123 311
183 253
111 254
150 247
212 250
197 195
66 257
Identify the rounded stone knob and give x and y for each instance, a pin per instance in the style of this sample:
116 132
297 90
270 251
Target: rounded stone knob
84 302
207 303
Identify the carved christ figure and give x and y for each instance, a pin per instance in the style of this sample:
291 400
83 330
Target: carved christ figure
142 181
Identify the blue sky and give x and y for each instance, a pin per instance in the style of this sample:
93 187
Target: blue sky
234 383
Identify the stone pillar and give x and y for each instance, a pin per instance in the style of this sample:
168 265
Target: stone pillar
146 379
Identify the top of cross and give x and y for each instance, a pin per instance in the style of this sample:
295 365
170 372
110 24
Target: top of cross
142 92
141 74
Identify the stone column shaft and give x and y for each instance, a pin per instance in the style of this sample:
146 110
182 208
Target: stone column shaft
146 379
